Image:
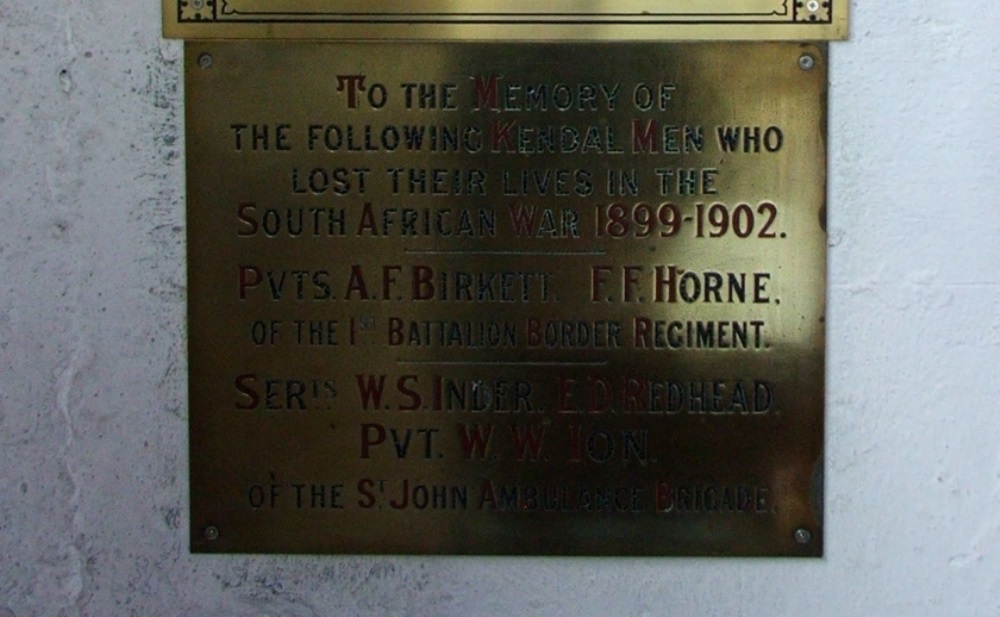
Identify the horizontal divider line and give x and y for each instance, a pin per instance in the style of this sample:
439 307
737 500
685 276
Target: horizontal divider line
597 253
503 363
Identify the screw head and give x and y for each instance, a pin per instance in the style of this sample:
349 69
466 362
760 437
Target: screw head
197 4
802 536
211 533
806 62
812 5
205 60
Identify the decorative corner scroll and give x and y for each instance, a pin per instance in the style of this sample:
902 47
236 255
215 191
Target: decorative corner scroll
196 10
813 11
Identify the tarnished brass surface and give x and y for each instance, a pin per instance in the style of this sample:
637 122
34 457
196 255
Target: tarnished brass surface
568 364
579 20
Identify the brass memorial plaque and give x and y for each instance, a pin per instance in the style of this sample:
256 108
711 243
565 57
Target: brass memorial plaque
580 20
520 299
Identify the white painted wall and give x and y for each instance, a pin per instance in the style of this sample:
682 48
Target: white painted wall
93 493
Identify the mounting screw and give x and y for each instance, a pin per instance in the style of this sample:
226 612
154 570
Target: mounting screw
211 533
806 62
205 61
802 536
197 4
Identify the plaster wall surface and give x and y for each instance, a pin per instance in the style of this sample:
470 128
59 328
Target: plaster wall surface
93 463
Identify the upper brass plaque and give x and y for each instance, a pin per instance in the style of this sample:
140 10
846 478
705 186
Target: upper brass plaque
580 20
524 299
